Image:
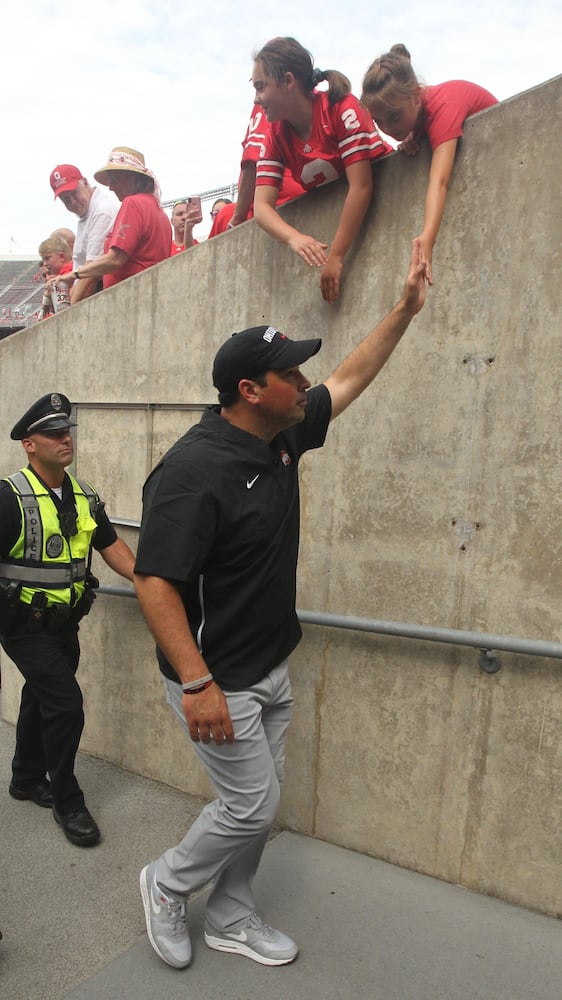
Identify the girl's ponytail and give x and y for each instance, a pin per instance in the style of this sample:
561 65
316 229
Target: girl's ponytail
338 85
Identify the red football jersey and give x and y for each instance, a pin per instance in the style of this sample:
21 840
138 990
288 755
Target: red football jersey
254 146
341 134
252 143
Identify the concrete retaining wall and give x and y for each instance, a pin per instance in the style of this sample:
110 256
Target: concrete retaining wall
435 501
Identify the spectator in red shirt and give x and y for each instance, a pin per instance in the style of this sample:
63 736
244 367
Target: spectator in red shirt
184 217
218 206
408 112
142 234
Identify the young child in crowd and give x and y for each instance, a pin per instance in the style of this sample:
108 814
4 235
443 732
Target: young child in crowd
56 262
319 136
408 111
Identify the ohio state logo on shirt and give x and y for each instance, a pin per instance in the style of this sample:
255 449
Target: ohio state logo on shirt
285 457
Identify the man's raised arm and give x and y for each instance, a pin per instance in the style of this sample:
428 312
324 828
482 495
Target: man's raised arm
359 368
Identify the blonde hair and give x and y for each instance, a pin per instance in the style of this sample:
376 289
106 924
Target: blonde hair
55 244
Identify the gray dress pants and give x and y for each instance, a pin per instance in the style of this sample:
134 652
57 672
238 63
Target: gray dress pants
226 841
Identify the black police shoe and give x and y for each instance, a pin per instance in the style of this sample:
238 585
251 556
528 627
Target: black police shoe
79 827
39 792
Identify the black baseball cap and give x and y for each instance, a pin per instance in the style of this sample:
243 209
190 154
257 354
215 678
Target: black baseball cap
256 350
50 413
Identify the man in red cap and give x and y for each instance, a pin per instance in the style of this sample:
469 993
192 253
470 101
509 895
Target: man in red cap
96 209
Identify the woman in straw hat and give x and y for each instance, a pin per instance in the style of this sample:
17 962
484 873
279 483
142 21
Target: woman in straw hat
142 233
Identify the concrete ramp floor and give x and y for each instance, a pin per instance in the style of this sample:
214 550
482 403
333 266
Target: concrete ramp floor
73 925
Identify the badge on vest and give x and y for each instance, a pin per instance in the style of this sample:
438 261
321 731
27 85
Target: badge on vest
54 546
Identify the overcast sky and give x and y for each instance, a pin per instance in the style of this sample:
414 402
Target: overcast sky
170 78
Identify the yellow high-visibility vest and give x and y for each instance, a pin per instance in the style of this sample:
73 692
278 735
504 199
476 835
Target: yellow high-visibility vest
42 559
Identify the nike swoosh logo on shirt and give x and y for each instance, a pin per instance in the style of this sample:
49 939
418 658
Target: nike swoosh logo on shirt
249 484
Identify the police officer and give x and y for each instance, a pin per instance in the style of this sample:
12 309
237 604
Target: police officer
49 522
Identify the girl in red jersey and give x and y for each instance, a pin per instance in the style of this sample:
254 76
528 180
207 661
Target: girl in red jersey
319 136
408 111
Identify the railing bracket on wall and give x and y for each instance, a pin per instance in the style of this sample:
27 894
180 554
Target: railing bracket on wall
489 661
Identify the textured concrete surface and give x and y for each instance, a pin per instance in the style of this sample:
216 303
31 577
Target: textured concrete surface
74 929
435 501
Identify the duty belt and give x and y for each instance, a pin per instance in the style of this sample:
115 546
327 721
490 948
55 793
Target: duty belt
31 618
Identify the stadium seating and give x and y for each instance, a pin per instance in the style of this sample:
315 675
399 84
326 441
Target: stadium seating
21 291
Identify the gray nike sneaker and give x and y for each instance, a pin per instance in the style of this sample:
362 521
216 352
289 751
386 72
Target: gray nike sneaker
255 939
166 923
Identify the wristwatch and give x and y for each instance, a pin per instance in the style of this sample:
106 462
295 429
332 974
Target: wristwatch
76 274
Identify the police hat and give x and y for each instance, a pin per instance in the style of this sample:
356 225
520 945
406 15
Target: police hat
257 350
50 413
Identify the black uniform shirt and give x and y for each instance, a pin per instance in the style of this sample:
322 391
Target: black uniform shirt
221 522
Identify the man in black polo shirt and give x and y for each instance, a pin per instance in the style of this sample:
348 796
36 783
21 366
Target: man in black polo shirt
216 578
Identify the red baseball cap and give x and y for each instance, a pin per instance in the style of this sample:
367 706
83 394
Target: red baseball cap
65 177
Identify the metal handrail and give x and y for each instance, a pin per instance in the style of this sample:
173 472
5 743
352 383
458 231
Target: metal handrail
486 642
225 191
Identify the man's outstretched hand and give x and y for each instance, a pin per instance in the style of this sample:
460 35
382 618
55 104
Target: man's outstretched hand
413 296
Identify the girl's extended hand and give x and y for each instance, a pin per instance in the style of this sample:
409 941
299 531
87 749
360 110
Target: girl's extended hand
410 145
426 250
307 247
